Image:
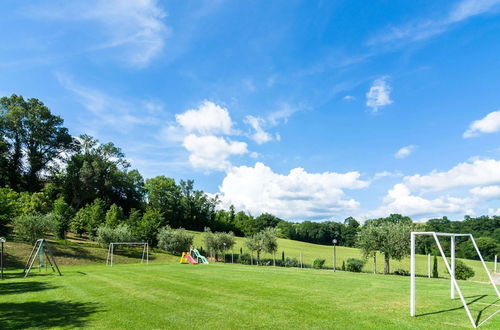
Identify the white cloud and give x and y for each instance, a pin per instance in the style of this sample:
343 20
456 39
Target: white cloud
486 193
296 196
349 98
385 174
259 136
379 94
133 27
479 172
493 212
489 124
408 197
208 118
424 29
400 200
282 114
404 152
212 152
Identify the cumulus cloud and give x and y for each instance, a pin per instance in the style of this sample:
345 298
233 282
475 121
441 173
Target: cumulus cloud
400 199
379 94
135 28
404 152
409 196
489 124
479 172
486 193
212 152
259 135
208 118
296 196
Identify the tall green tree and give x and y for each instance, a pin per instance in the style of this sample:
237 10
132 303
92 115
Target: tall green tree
101 171
32 141
264 240
163 194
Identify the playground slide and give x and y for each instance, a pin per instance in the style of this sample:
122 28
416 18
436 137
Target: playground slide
199 256
191 260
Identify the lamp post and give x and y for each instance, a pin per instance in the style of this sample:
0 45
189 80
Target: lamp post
2 240
334 241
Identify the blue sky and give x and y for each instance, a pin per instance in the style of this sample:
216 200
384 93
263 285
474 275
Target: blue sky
306 109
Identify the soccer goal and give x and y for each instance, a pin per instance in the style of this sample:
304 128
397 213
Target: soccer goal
111 249
451 270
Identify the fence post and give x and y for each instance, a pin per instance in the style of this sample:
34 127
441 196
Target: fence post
495 267
300 259
374 262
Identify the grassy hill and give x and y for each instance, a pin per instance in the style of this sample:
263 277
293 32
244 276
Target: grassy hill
82 252
310 252
215 296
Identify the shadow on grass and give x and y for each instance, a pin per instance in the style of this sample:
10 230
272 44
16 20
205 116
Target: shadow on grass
75 252
22 287
48 314
477 298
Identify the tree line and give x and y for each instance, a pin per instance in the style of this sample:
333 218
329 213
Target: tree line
51 180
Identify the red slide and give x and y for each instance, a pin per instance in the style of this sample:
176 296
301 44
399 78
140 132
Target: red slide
191 260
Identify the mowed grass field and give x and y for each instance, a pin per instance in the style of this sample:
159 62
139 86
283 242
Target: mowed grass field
310 252
225 296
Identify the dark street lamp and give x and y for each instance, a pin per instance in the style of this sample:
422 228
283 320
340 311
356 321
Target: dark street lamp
2 240
334 241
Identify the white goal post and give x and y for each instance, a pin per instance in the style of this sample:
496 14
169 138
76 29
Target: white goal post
111 249
451 270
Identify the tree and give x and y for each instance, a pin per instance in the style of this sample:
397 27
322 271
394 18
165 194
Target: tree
64 213
174 241
389 238
218 242
114 216
32 227
150 224
98 170
264 240
33 140
9 206
435 273
163 194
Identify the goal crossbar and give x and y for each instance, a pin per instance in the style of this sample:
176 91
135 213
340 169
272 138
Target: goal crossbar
111 249
451 270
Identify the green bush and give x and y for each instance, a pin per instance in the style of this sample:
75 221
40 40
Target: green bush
122 233
401 272
244 258
175 241
291 262
462 271
318 263
30 228
354 265
343 265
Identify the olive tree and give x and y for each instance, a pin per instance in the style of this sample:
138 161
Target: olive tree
264 240
390 239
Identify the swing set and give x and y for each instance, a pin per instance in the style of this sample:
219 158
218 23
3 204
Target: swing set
43 254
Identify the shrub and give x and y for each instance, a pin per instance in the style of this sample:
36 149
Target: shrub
32 227
291 262
175 241
244 258
462 271
354 265
318 263
343 265
107 234
401 272
435 273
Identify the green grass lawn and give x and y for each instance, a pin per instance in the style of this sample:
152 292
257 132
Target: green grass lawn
312 251
225 296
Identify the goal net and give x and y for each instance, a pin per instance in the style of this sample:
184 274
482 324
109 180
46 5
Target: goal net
450 266
111 249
